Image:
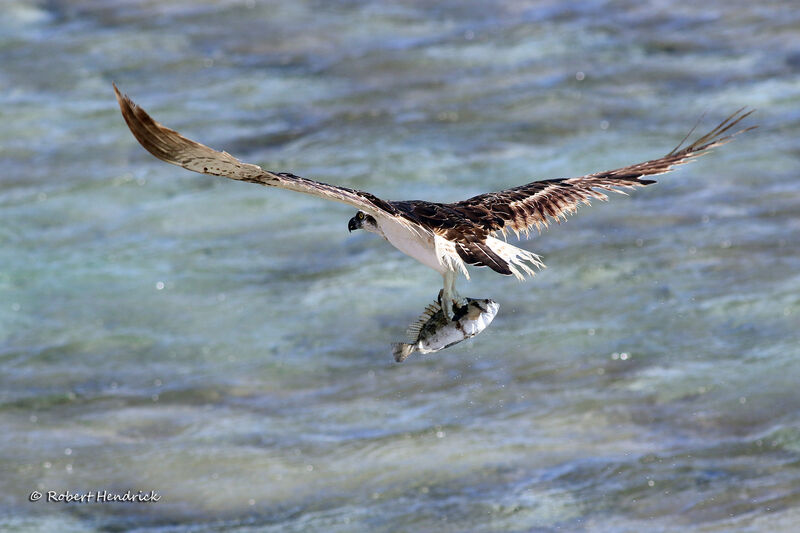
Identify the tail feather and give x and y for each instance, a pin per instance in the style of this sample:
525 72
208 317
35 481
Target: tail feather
481 254
520 262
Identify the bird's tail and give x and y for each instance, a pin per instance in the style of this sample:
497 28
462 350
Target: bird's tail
401 350
520 262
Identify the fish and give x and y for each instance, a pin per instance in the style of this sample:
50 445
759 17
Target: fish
432 332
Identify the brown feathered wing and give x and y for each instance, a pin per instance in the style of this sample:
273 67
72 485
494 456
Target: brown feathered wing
172 147
536 204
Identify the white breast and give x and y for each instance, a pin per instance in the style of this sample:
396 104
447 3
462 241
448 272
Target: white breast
420 245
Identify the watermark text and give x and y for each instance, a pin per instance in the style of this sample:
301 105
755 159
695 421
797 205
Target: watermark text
95 496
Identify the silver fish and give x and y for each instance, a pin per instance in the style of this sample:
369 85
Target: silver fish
433 332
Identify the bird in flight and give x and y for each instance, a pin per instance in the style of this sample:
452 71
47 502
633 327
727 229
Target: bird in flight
445 237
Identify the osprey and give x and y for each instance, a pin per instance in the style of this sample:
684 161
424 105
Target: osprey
445 237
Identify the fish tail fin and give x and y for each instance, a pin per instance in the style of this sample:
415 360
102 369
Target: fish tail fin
401 350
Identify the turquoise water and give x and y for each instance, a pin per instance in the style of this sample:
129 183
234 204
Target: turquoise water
227 346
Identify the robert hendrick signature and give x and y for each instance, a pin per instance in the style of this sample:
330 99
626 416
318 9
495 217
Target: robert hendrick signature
95 496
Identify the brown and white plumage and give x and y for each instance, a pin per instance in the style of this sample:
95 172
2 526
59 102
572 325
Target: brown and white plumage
445 237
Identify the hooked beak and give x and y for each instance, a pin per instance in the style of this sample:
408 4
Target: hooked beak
353 224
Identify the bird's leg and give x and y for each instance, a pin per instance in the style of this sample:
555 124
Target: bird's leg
449 298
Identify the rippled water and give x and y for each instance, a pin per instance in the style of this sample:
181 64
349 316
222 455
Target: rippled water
228 346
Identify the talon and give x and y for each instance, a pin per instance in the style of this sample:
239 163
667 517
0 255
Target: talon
448 297
460 307
447 309
453 308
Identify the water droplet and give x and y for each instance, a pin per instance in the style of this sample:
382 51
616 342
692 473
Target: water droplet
651 483
580 76
160 286
742 400
67 451
604 125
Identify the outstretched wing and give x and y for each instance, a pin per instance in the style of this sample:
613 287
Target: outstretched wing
538 203
172 147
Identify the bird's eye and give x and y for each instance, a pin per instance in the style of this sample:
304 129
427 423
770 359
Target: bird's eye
360 215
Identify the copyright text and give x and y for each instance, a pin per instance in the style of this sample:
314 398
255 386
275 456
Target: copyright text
95 496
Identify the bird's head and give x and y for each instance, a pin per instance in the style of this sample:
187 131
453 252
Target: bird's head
363 221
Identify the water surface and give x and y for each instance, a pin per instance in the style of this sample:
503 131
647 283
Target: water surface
228 345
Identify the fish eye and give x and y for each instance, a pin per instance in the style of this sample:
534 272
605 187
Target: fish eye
360 216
